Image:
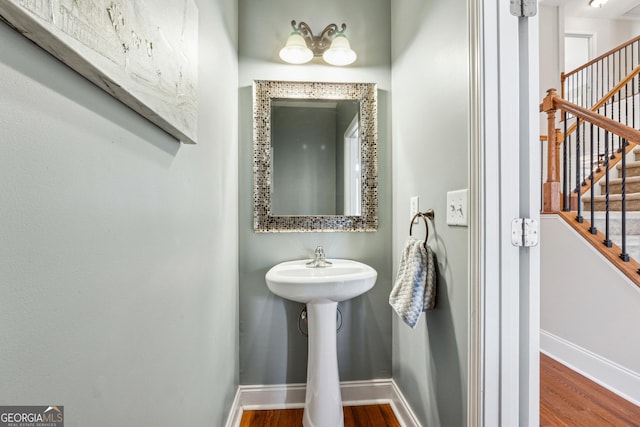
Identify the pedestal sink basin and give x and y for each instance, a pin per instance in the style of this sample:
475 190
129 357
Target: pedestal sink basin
340 281
321 288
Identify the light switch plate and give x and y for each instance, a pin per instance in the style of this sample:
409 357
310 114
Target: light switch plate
457 207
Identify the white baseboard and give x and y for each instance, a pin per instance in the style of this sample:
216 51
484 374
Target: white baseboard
618 379
253 397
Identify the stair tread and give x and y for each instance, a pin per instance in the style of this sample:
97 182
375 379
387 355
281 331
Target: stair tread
619 180
616 215
634 164
616 197
632 239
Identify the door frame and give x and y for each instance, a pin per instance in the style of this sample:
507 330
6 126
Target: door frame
503 386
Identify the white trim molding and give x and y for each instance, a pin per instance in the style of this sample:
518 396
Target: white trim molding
287 396
477 254
616 378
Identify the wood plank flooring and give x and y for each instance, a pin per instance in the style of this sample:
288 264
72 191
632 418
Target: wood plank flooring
567 399
354 416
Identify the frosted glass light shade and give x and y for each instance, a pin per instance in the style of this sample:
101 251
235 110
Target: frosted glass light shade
296 50
340 52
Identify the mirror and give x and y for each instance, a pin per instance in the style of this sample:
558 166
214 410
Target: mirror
315 156
315 152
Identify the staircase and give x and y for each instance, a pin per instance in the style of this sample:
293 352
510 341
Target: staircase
632 200
593 163
632 220
615 188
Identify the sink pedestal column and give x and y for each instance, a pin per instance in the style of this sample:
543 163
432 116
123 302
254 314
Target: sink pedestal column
323 402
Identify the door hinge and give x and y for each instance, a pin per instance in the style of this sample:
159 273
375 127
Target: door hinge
524 232
524 8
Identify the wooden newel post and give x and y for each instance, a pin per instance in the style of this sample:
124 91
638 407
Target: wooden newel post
551 188
559 141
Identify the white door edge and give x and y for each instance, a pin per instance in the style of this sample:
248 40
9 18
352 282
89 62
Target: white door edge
504 301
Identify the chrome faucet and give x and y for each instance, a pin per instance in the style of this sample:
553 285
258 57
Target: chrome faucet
319 260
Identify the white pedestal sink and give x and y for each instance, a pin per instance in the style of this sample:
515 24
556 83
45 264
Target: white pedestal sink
321 289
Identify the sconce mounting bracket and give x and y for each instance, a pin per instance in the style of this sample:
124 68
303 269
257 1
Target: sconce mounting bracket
318 43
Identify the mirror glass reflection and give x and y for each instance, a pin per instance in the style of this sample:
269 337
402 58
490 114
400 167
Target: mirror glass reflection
315 149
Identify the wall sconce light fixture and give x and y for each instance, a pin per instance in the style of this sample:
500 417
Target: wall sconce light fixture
597 3
331 44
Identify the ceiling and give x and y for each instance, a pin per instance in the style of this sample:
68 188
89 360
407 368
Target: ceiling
614 9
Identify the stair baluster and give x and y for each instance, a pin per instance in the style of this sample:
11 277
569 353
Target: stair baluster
607 240
592 228
577 189
566 204
584 157
624 255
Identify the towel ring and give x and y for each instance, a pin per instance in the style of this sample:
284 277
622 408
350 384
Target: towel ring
424 215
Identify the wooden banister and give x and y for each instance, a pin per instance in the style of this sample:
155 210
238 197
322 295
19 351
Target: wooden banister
609 95
564 76
615 158
604 55
620 129
551 103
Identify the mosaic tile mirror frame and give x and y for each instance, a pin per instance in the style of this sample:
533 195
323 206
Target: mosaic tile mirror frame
264 93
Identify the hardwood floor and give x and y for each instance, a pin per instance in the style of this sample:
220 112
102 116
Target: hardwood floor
354 416
567 399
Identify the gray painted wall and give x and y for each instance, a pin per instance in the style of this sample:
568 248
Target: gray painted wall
271 350
430 89
608 33
118 261
550 54
603 302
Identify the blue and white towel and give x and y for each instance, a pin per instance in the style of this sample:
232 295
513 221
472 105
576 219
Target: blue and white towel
414 290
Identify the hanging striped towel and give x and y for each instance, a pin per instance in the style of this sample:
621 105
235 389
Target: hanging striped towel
414 290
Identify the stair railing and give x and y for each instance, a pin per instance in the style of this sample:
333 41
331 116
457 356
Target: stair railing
619 104
592 129
607 85
588 83
617 95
